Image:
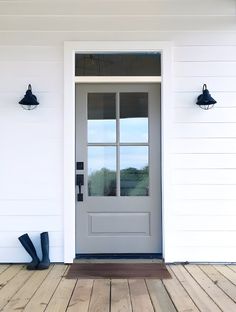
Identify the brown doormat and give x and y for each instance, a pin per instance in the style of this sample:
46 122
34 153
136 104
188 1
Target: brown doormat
118 270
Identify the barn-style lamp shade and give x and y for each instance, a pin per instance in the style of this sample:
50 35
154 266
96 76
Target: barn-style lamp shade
205 101
29 101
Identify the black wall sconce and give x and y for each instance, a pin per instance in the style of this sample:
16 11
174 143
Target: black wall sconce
204 100
29 101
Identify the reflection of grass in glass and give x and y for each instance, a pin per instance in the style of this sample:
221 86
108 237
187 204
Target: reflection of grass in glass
134 182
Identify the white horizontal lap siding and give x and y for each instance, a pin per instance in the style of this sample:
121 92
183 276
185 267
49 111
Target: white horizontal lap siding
32 33
204 155
117 7
117 23
31 180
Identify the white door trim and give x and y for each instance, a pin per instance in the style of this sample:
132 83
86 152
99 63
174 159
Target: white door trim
117 79
70 48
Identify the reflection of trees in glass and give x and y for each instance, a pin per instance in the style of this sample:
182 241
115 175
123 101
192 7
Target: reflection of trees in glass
102 183
134 182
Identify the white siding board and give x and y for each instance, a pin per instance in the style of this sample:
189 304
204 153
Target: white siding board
202 208
207 224
204 146
191 84
202 254
207 161
207 192
33 223
183 7
222 129
115 23
205 53
31 207
19 255
199 176
195 114
37 69
205 239
180 38
203 69
31 54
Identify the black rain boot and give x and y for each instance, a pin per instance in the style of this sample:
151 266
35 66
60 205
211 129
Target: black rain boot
29 247
44 264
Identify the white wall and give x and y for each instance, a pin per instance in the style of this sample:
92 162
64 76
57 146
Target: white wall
204 143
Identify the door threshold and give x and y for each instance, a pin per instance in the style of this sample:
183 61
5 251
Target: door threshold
121 256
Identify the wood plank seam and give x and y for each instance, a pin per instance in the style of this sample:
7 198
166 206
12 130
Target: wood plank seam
217 284
71 295
56 288
131 303
91 295
189 282
183 288
15 273
28 299
204 289
4 269
16 290
219 304
231 267
229 289
226 274
169 296
50 268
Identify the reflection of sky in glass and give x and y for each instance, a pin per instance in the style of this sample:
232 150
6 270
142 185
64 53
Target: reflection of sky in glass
101 131
101 157
133 156
134 130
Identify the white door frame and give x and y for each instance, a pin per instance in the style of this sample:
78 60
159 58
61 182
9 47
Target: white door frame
70 48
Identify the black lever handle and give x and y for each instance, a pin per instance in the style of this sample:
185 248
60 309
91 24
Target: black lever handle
80 182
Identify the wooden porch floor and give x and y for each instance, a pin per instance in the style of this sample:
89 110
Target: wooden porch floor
192 288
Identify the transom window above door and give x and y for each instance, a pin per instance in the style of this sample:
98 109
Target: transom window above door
122 64
118 144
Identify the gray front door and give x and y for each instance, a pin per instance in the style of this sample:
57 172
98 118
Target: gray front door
118 140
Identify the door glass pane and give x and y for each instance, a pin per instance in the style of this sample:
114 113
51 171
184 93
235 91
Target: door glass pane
134 117
134 171
101 117
101 171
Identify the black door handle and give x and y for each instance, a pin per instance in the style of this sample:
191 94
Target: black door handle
80 182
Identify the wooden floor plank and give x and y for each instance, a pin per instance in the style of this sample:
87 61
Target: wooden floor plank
159 296
220 298
62 295
9 290
232 267
100 298
205 288
227 272
8 274
179 296
139 296
120 297
81 296
198 295
41 298
220 280
3 267
24 294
